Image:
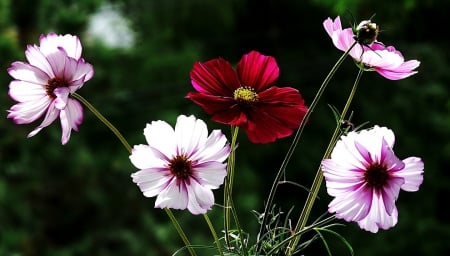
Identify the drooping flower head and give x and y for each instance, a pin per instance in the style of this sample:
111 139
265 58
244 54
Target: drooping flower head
246 97
181 166
55 69
365 177
385 60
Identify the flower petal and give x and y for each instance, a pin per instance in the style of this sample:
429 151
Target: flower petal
257 71
200 199
161 136
53 42
173 196
151 181
71 117
214 77
412 173
190 133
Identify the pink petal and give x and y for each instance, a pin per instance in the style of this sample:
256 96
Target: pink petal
39 60
62 96
412 173
25 72
71 117
51 115
29 111
22 91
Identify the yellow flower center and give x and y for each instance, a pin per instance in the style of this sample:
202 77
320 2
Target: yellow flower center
245 95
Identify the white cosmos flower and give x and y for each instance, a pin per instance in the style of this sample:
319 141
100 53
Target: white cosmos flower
365 177
43 86
181 166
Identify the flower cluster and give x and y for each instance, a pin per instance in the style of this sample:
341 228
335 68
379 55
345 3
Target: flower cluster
181 165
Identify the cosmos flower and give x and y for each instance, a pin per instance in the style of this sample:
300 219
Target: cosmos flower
246 97
181 166
385 60
365 177
55 69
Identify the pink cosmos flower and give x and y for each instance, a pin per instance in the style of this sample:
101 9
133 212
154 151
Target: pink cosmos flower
54 70
247 98
387 61
180 166
365 177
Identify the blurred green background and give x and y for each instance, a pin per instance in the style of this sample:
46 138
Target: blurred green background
79 199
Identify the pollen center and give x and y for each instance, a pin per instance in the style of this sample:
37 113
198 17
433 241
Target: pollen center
245 95
376 176
52 84
180 167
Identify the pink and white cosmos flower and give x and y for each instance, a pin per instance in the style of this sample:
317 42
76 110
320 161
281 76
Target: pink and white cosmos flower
385 60
181 166
55 69
365 177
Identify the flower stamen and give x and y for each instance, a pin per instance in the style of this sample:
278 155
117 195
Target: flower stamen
376 176
181 167
245 95
52 84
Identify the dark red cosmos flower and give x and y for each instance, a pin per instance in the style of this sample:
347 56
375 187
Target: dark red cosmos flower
246 97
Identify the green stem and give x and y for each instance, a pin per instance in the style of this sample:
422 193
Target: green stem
228 188
180 232
319 175
303 231
128 148
214 234
104 120
296 140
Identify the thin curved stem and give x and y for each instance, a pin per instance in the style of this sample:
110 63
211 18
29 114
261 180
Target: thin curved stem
103 120
315 187
214 234
296 140
180 232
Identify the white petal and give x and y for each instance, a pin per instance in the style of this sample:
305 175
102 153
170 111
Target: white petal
144 157
151 181
215 148
190 133
378 217
210 174
52 114
24 91
71 44
173 196
28 73
201 199
412 173
27 112
161 136
39 60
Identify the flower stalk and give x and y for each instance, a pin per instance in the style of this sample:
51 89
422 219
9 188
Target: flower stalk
297 139
317 182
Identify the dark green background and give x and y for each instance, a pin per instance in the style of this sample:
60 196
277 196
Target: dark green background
78 199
